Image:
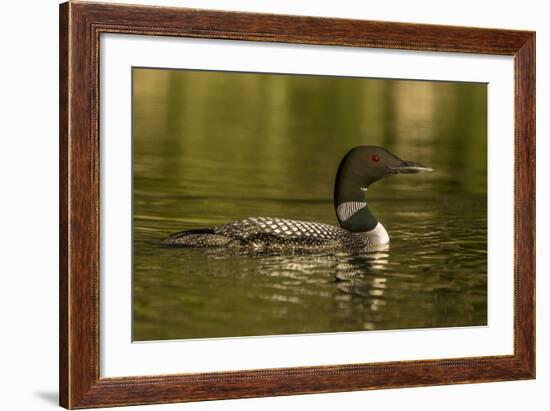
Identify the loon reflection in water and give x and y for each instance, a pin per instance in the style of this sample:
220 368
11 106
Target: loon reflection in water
359 229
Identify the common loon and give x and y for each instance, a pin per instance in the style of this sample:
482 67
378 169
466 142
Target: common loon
359 229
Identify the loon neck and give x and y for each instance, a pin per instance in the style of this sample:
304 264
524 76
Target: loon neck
361 221
351 207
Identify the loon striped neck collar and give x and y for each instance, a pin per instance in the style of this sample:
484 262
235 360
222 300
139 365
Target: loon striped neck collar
355 216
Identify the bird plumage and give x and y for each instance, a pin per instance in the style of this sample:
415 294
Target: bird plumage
359 229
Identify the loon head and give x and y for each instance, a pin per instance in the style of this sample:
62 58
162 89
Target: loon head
362 166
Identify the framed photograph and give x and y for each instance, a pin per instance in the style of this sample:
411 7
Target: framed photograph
259 205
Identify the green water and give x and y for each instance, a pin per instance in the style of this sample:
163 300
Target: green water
210 148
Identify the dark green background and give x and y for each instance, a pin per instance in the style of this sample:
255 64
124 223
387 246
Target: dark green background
212 147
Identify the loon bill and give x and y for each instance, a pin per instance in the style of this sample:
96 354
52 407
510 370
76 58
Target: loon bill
359 229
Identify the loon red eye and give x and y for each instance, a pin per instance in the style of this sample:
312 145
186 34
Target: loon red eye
375 158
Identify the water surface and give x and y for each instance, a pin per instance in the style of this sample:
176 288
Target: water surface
210 148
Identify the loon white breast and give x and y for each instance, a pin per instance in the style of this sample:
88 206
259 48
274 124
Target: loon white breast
359 229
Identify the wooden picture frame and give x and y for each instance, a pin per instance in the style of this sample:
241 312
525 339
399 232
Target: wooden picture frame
81 24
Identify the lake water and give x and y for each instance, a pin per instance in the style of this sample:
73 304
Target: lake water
210 148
